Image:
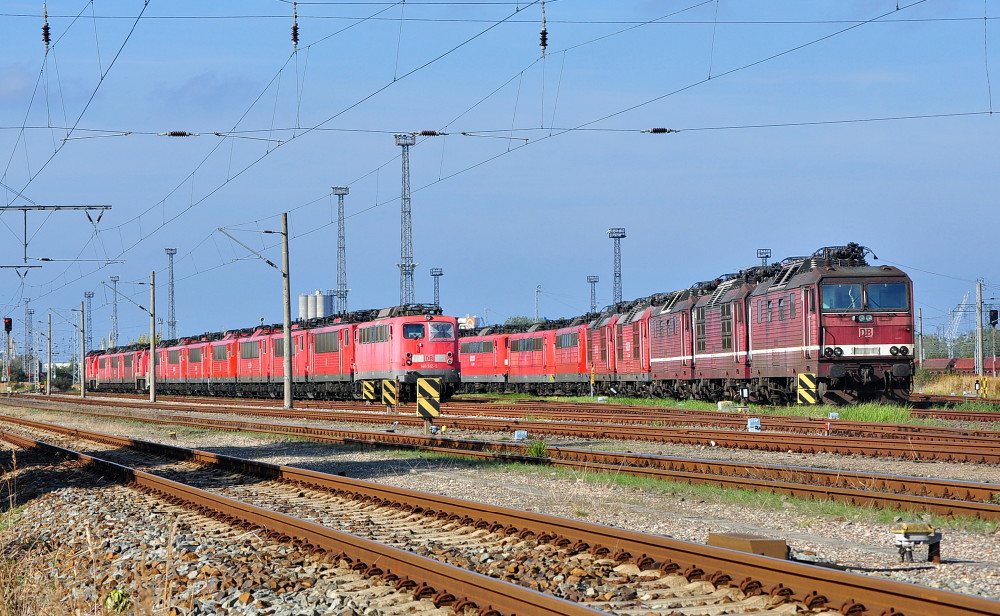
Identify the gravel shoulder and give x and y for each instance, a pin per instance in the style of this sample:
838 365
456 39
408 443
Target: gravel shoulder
970 559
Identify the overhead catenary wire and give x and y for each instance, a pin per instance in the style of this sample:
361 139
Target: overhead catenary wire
568 129
475 165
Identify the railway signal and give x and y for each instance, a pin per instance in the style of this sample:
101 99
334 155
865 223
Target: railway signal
994 316
8 324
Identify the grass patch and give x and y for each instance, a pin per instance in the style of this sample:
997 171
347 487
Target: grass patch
762 499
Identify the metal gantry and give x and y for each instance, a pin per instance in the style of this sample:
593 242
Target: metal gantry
113 338
617 233
341 292
406 264
436 273
89 334
593 280
171 304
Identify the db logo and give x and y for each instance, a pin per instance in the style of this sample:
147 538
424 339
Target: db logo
866 332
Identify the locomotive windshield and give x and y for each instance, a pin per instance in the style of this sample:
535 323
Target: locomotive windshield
413 331
887 296
442 331
842 297
877 296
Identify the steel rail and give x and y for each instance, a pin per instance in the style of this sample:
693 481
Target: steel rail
958 498
985 451
447 584
621 414
816 587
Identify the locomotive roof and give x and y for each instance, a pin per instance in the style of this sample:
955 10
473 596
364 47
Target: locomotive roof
547 325
356 316
848 259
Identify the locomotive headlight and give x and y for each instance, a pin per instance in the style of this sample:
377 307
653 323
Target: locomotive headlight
828 351
409 355
450 354
838 351
904 351
864 318
450 361
409 362
894 350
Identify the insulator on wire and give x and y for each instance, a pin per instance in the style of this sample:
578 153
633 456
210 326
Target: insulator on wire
430 133
544 34
659 131
295 24
46 33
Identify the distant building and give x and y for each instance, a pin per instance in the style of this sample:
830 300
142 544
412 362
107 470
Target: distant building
316 305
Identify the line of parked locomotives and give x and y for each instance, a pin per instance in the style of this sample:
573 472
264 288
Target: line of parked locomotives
843 324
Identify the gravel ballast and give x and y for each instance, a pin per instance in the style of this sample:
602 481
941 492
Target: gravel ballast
970 560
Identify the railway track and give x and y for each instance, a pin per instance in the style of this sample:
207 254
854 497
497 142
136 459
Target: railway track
948 448
916 494
629 573
535 410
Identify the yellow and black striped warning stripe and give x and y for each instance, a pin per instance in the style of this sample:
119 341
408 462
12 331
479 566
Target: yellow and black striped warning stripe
807 388
368 390
429 397
389 392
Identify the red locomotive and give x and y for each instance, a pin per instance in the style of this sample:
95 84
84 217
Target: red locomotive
829 326
331 357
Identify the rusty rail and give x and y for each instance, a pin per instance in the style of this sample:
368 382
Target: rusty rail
948 498
817 587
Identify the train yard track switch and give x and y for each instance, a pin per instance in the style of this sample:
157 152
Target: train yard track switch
909 534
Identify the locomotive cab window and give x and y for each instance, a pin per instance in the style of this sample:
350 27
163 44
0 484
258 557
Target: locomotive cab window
841 296
442 331
887 296
413 331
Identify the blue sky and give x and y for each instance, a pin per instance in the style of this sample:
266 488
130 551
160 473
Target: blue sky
801 125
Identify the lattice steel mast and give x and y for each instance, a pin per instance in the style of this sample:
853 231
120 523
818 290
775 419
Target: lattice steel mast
171 304
436 273
593 280
28 336
113 339
341 292
406 264
617 233
88 341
